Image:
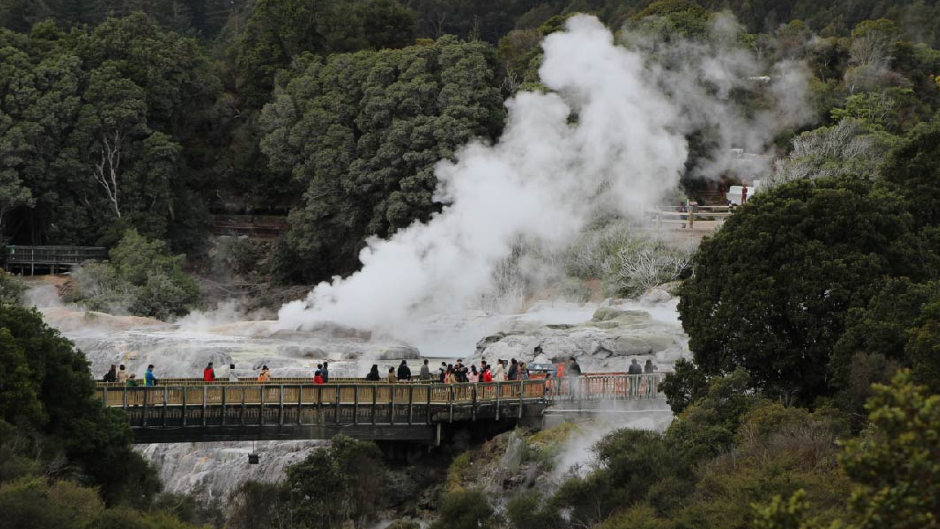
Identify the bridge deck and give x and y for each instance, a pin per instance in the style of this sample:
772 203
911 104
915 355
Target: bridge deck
255 411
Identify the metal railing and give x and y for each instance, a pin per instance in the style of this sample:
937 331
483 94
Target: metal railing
58 255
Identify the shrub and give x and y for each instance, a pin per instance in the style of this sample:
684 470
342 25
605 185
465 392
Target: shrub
465 509
141 278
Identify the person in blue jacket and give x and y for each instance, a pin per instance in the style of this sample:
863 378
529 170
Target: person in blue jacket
149 379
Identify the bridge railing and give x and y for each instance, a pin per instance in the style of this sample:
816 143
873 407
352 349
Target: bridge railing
604 387
592 387
317 394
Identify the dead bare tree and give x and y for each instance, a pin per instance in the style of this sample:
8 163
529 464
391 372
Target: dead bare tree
106 169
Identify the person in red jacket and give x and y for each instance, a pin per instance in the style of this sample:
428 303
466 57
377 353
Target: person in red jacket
487 376
318 376
208 374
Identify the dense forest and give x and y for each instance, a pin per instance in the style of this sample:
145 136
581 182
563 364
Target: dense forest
156 115
812 399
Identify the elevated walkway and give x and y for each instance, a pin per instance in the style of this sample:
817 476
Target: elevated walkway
50 259
195 411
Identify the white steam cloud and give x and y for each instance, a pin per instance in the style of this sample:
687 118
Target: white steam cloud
609 136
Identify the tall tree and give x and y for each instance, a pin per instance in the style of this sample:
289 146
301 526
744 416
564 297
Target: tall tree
362 133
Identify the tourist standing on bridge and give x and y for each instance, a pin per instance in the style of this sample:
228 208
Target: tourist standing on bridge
523 371
208 374
425 373
442 372
649 367
499 372
391 376
574 369
404 372
131 381
325 371
449 377
149 379
373 375
487 375
122 374
264 375
473 376
318 375
111 375
513 370
635 368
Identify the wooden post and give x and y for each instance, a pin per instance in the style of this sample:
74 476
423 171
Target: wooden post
261 409
497 400
356 404
391 405
165 392
473 403
336 408
375 396
224 407
280 402
428 386
300 403
205 390
520 399
411 392
125 399
241 416
138 390
450 398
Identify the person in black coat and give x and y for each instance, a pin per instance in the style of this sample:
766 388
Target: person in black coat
403 372
373 374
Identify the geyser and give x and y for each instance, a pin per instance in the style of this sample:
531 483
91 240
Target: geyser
608 136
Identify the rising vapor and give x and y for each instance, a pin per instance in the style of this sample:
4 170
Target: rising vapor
606 137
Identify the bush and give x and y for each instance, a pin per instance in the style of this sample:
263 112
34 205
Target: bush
336 484
644 264
141 278
11 289
465 509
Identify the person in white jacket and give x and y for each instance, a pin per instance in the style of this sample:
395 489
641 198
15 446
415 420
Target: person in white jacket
499 372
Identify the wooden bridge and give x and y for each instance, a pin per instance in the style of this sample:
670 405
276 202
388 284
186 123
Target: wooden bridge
50 259
195 411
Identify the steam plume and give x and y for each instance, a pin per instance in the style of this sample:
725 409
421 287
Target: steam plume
606 137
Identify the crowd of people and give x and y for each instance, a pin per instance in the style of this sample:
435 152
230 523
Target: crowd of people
458 372
454 373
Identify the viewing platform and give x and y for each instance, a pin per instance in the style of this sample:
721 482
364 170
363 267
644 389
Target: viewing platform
181 410
50 259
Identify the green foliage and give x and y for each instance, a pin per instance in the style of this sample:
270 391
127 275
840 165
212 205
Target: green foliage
11 289
896 463
464 509
96 126
684 385
775 301
362 133
707 427
635 466
279 30
914 167
637 517
67 419
29 503
782 514
923 346
141 277
528 511
256 505
336 484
